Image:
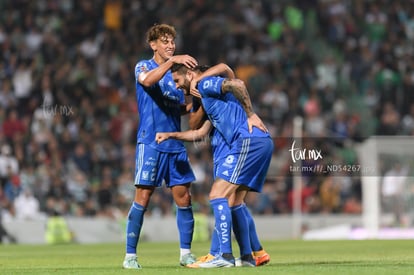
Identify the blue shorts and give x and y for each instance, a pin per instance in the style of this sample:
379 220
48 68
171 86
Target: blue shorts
152 167
247 162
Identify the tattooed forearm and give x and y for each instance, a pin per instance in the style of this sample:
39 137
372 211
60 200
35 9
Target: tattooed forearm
239 90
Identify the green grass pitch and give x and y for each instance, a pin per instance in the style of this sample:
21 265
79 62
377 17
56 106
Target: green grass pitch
287 257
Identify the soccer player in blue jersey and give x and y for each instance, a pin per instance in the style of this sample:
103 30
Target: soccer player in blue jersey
160 106
238 209
243 165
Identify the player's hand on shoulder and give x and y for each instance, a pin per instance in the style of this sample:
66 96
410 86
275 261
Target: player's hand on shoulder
185 59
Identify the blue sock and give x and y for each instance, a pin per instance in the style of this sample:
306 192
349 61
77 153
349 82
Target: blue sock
185 224
133 227
215 244
254 239
223 224
241 229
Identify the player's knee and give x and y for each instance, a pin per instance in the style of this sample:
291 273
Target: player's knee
182 198
236 202
214 194
143 196
218 192
181 195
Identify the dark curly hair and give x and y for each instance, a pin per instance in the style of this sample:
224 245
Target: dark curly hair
160 30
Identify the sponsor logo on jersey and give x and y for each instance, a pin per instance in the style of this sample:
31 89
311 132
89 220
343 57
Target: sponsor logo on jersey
149 162
229 161
207 84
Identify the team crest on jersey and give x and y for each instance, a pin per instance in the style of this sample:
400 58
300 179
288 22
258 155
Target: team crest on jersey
141 68
145 175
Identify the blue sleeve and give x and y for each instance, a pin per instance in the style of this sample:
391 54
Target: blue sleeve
210 86
142 66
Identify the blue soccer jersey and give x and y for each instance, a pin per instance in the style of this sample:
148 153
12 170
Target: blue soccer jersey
219 146
240 157
224 111
159 108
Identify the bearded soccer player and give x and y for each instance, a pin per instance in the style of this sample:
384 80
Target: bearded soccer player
243 166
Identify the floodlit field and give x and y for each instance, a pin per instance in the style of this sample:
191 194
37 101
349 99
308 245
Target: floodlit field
288 257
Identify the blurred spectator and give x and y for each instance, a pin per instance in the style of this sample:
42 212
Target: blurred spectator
57 230
330 195
82 159
315 124
106 194
408 122
4 206
78 187
125 189
393 191
27 207
8 163
376 23
27 176
113 14
13 125
308 199
23 81
326 73
7 97
389 121
352 205
276 102
201 172
12 187
57 196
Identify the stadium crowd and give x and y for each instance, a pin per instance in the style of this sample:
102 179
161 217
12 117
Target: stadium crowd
68 112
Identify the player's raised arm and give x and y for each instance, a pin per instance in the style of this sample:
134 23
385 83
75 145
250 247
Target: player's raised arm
239 90
190 135
198 116
221 69
151 77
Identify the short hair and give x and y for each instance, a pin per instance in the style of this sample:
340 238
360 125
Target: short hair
160 30
179 67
